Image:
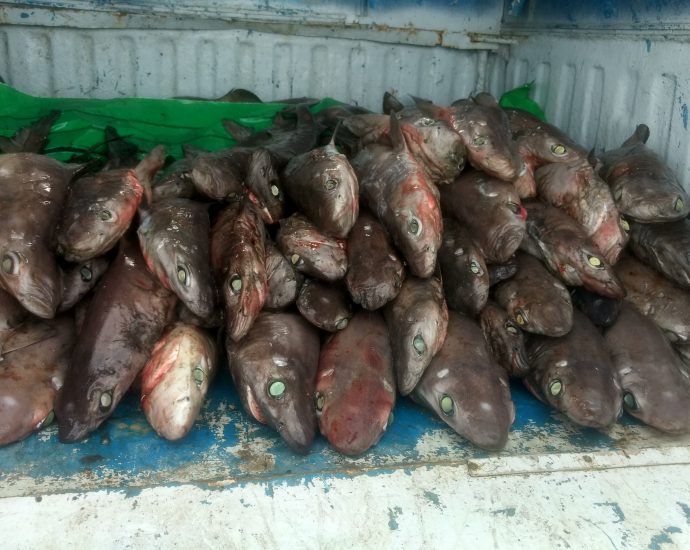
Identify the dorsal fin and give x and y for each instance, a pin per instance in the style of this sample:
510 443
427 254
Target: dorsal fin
640 135
427 107
485 99
391 104
147 169
304 115
594 159
191 151
32 138
238 132
396 135
337 127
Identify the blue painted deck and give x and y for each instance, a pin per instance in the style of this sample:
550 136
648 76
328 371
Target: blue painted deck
226 446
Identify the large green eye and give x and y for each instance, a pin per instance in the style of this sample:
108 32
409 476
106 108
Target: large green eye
514 207
558 149
295 259
447 404
479 141
618 194
330 184
199 376
678 205
236 284
9 263
105 215
319 401
418 344
520 317
275 191
86 273
47 421
630 401
340 325
414 226
474 268
276 389
556 387
595 262
511 328
106 400
182 275
625 225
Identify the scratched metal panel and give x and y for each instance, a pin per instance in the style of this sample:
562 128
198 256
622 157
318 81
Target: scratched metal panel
599 89
595 14
111 63
478 16
412 508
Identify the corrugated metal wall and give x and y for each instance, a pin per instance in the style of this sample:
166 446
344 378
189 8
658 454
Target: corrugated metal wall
594 88
108 63
599 89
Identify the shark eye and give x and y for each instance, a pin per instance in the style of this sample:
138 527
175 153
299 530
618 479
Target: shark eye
511 328
558 149
630 401
479 141
199 376
182 275
105 215
86 273
474 267
678 205
47 421
319 401
236 284
418 344
520 317
330 184
295 259
275 191
106 400
514 207
447 404
276 389
624 224
556 387
414 226
10 263
594 261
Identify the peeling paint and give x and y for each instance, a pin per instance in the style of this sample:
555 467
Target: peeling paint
509 512
393 514
663 538
434 499
615 508
686 511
